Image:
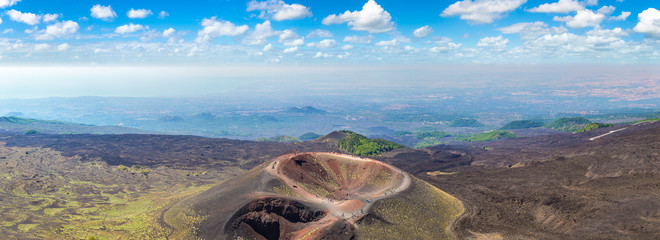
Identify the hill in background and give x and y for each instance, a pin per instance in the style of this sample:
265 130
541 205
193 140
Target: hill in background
32 126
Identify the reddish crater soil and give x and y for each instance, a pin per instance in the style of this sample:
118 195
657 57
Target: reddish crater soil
338 177
327 194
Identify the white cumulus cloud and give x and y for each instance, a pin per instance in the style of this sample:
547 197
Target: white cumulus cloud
163 14
481 11
268 47
494 42
624 15
59 29
532 30
372 18
423 32
598 40
594 2
103 12
27 18
216 28
606 10
63 47
8 3
563 6
290 38
138 13
260 33
649 22
325 43
321 54
50 17
41 47
384 43
583 18
169 32
129 28
320 33
518 27
278 10
444 45
290 50
366 39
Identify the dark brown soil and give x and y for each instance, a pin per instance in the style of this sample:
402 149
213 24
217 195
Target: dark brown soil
271 218
552 187
560 186
183 152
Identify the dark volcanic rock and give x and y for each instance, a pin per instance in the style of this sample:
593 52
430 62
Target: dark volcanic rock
267 218
560 186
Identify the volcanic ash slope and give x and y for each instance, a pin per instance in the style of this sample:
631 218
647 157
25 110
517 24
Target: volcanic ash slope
318 196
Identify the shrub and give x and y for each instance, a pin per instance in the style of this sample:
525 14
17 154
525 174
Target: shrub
487 136
31 132
522 124
466 122
593 126
568 124
433 134
362 146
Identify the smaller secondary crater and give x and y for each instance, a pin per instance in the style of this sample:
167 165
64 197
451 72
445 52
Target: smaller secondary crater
271 218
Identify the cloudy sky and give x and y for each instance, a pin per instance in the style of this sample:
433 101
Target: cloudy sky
328 32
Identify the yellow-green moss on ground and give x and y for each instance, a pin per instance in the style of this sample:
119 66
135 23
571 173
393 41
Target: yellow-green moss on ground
285 191
422 212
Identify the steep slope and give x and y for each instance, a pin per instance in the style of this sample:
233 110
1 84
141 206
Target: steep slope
320 196
602 184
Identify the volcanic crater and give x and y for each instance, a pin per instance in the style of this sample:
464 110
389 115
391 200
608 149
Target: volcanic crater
304 196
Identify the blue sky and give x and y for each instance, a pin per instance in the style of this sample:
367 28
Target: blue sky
328 32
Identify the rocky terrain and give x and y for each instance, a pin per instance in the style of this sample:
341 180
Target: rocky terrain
600 184
565 186
321 196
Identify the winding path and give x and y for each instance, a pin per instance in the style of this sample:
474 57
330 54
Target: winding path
603 135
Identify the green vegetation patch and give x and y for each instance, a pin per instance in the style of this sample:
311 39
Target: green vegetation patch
647 120
576 125
310 136
401 133
569 124
428 143
424 212
26 227
53 211
25 121
466 122
487 136
522 124
360 145
432 134
430 138
593 126
31 132
183 219
285 190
